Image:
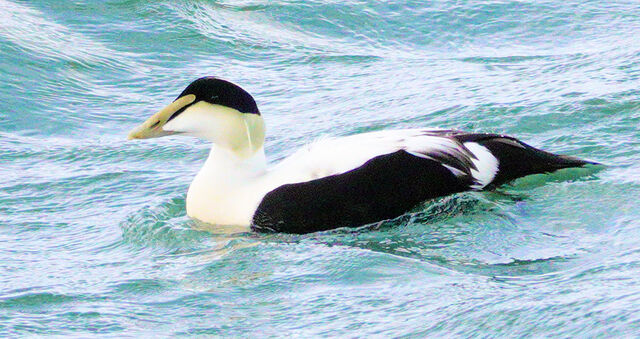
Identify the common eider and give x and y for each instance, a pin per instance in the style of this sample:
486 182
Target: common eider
334 182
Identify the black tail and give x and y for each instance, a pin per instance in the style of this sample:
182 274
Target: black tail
517 159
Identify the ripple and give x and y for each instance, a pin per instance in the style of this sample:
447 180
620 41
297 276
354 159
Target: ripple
164 226
94 239
30 29
35 300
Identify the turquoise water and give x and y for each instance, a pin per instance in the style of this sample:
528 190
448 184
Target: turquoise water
94 239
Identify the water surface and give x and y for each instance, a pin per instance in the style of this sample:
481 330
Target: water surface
93 233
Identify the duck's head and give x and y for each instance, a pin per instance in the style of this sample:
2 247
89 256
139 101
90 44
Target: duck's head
212 109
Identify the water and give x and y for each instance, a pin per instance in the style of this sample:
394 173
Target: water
93 234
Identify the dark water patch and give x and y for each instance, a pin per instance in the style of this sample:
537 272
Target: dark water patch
38 300
141 287
81 323
341 59
513 59
163 226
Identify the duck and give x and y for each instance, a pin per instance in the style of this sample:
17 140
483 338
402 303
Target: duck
334 182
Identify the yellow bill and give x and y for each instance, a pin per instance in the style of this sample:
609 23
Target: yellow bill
152 128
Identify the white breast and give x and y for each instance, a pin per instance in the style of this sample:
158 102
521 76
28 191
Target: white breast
227 190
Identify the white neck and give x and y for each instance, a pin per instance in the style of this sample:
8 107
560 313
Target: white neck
224 191
228 166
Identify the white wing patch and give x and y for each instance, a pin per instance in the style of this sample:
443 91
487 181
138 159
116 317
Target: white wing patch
486 165
336 155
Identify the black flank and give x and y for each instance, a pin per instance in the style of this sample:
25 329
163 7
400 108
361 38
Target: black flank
385 187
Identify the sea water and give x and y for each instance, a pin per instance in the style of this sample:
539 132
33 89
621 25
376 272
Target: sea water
94 239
